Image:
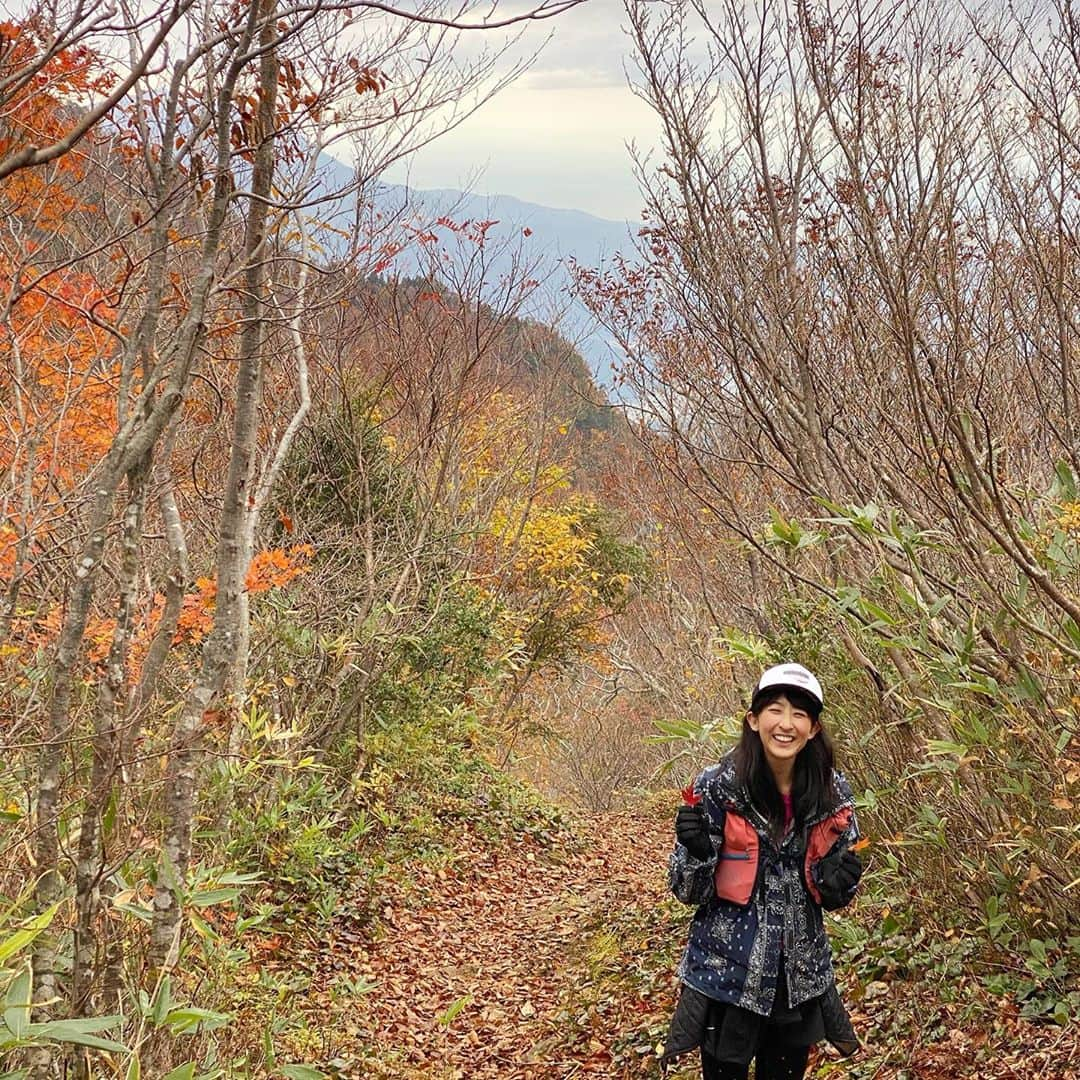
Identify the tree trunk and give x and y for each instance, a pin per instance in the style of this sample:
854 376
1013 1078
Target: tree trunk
269 479
220 650
47 846
107 740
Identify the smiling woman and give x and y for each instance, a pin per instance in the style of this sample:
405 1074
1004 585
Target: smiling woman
766 846
784 714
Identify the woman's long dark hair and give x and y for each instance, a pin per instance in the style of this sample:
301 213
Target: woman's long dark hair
811 789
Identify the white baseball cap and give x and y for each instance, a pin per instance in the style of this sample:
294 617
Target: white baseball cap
793 675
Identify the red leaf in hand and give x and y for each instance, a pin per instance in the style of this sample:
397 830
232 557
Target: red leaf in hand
690 796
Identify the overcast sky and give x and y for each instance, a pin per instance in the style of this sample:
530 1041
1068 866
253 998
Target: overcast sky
558 135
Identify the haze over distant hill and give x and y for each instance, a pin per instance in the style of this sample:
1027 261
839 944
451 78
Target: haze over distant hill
555 237
569 232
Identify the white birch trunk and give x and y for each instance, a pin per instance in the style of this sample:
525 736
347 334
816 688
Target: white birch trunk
269 479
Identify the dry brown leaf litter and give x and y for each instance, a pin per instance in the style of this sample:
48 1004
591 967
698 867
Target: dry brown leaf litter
481 971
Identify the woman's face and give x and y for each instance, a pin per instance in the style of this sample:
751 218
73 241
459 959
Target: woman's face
784 729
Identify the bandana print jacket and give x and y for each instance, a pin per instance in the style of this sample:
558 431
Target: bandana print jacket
734 950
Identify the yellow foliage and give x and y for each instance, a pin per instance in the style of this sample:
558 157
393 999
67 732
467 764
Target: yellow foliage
549 569
497 442
1069 519
550 543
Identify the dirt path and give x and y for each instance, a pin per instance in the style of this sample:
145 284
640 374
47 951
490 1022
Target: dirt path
529 962
476 980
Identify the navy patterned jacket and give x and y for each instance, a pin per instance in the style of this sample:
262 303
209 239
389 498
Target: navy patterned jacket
734 950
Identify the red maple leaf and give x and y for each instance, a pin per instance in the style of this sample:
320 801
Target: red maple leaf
690 796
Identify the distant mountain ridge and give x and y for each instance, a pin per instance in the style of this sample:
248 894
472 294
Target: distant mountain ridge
556 236
575 229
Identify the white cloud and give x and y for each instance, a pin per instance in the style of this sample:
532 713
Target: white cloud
558 135
561 147
570 78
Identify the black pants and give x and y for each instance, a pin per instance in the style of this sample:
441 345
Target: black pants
773 1063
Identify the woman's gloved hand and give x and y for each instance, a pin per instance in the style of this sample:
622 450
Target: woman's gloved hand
692 831
837 876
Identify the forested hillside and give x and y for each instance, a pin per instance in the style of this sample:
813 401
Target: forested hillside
354 646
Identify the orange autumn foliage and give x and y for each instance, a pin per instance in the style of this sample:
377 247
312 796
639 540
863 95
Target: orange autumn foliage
196 617
275 568
57 379
57 376
37 94
36 106
270 569
64 404
9 540
58 386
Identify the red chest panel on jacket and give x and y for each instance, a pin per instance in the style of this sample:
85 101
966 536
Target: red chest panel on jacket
736 870
822 837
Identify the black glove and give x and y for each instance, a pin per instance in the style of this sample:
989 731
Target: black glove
692 831
837 875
